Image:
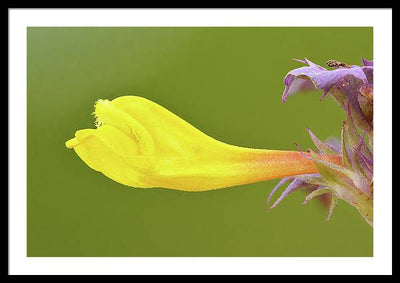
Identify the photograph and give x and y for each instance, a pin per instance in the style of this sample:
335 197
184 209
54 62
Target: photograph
157 141
200 141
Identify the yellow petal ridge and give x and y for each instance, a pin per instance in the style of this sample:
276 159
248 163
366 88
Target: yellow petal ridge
141 144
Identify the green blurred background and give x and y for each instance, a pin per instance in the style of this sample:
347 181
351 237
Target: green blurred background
225 81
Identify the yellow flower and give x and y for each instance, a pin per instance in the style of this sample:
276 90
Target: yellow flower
141 144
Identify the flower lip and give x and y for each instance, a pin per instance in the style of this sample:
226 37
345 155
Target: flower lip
107 113
72 143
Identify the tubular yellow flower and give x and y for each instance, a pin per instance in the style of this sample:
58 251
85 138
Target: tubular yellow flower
141 144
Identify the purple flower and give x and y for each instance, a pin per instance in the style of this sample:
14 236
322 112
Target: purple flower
349 85
352 182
